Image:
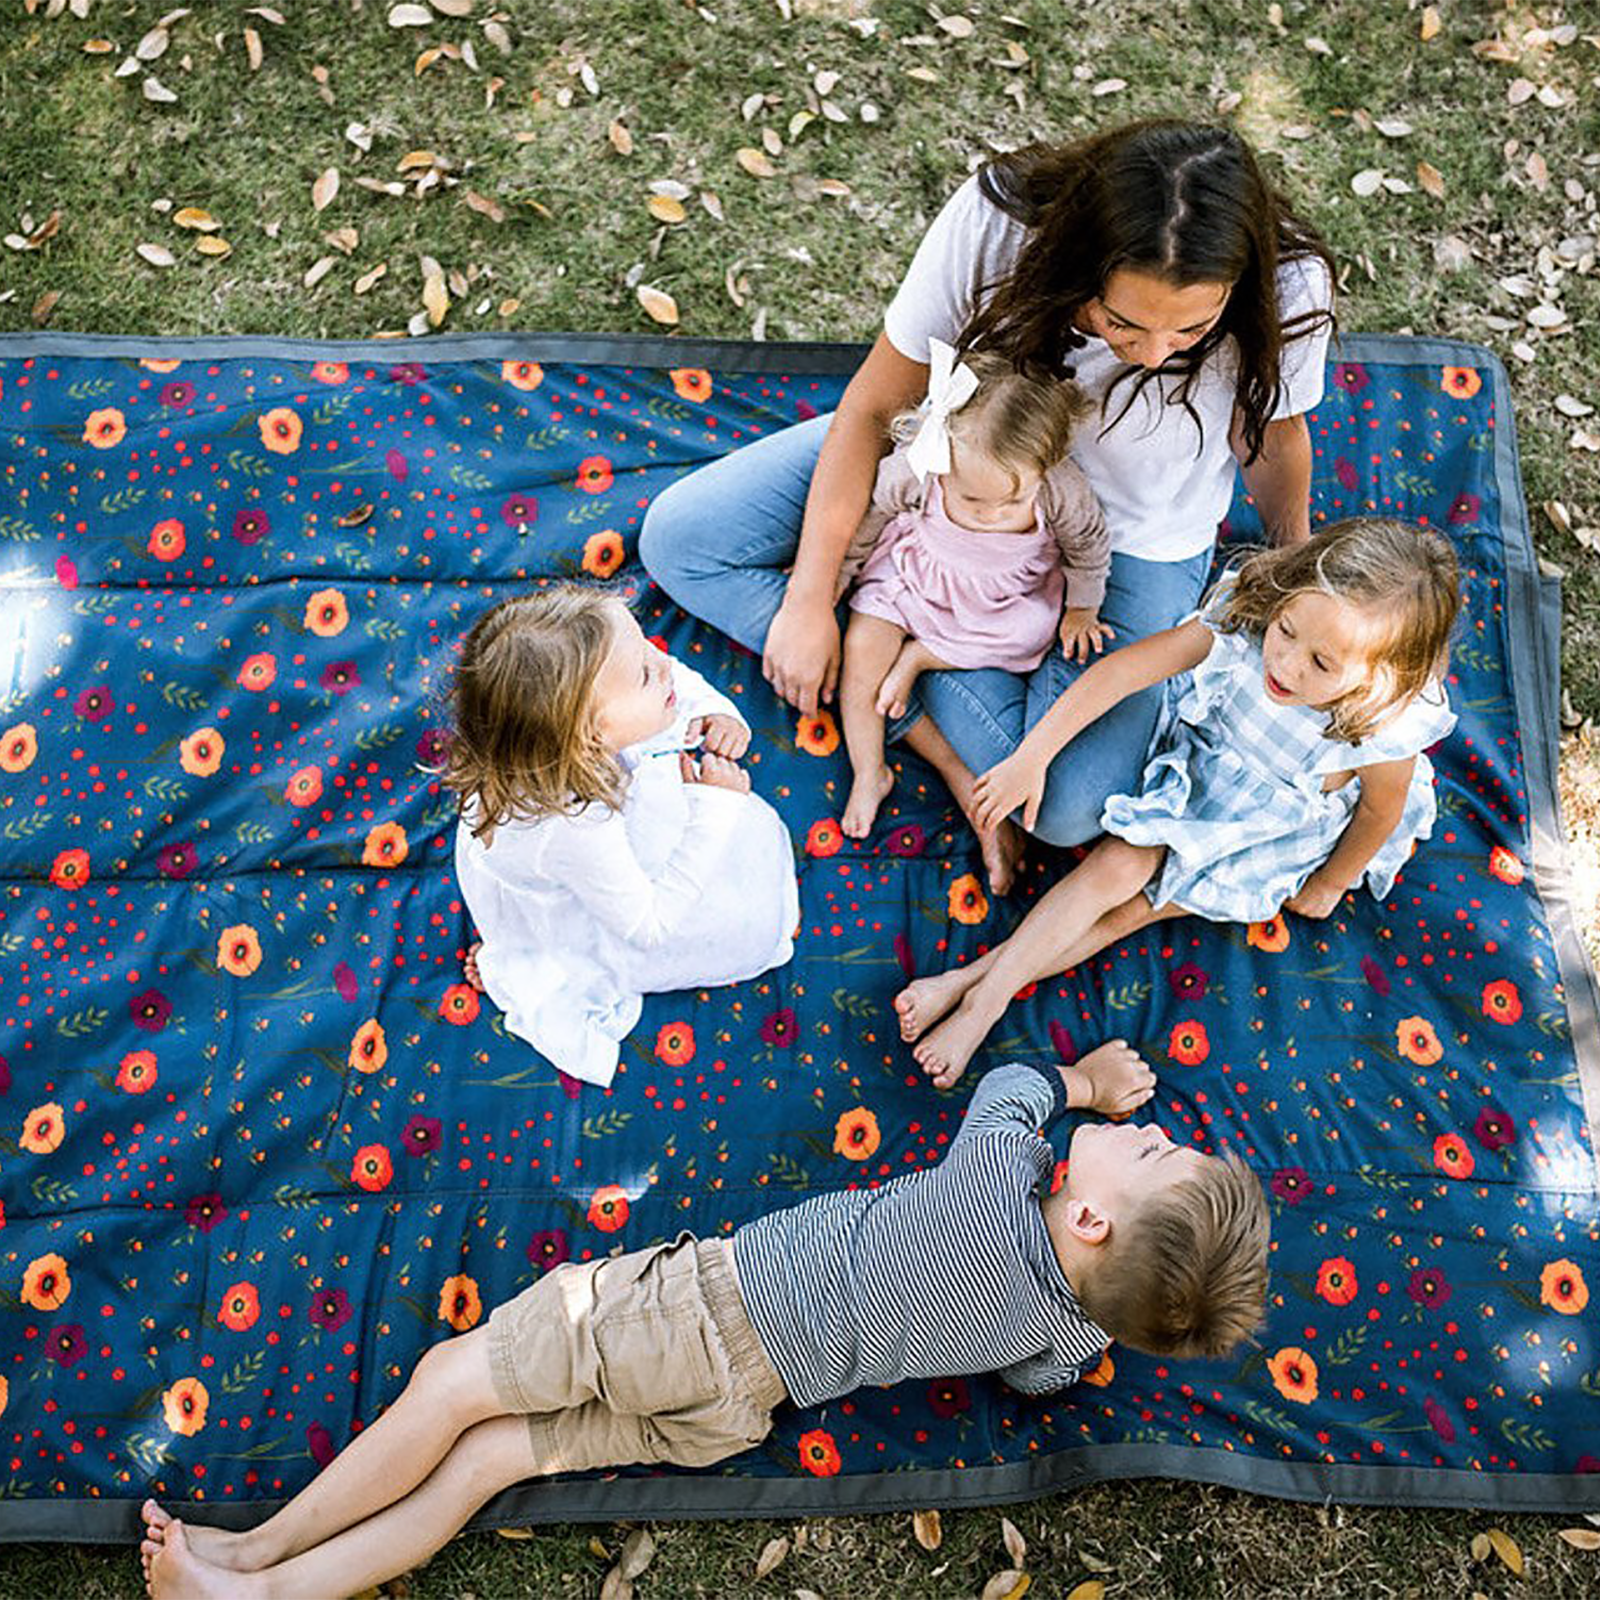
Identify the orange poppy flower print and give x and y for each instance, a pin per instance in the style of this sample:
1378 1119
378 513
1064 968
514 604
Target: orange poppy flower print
329 371
1505 865
385 847
240 1307
460 1005
1461 382
5 1394
855 1134
136 1072
595 475
46 1283
1501 1002
818 734
824 838
691 383
966 902
1416 1040
675 1044
201 753
819 1455
608 1208
1101 1374
459 1302
239 950
166 540
1294 1374
326 614
1561 1287
159 364
184 1406
43 1129
1271 935
70 869
1453 1156
258 672
280 430
18 747
305 787
369 1049
524 375
603 553
1189 1043
1336 1281
372 1168
104 429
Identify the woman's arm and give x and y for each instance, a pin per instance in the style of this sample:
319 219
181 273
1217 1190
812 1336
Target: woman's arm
1279 479
801 658
1376 816
1019 779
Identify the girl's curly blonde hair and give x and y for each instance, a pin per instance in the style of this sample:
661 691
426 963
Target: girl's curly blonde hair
1402 578
525 741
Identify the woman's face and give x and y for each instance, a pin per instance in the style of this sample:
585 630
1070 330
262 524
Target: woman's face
1146 320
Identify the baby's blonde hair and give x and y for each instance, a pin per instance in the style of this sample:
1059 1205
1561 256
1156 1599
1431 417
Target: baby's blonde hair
526 743
1403 579
1012 419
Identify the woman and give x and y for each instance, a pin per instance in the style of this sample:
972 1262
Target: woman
1156 265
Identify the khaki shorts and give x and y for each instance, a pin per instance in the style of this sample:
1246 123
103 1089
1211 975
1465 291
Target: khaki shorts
648 1356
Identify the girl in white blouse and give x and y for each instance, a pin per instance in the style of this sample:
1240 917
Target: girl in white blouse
609 845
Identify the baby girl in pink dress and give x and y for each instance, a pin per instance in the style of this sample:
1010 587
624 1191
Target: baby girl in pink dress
983 545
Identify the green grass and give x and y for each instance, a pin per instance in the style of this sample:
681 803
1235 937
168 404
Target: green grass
247 146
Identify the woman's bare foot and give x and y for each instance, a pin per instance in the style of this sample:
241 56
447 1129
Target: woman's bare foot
869 790
469 967
177 1573
220 1546
1002 850
944 1053
924 1000
894 692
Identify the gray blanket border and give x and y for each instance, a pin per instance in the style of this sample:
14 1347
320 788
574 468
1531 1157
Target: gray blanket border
1533 620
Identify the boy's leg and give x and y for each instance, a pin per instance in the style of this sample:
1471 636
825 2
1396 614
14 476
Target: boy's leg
1112 874
870 647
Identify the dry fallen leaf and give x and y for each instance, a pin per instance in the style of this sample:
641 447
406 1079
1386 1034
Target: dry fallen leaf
213 244
638 1551
772 1556
665 209
1569 405
153 45
1007 1585
755 162
927 1529
252 49
1431 179
958 27
1506 1548
1089 1589
1431 23
43 306
452 8
158 92
98 47
621 139
616 1586
713 204
157 255
435 298
368 279
1581 1538
1367 182
658 304
1519 90
1016 1545
409 16
195 217
318 270
922 74
484 206
324 189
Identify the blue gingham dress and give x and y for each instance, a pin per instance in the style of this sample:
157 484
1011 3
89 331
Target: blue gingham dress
1233 788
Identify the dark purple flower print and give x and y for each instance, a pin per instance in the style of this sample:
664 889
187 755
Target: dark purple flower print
1494 1130
345 981
548 1249
5 1075
1350 376
67 1344
421 1136
1464 508
1189 982
902 954
519 508
251 525
408 372
1586 1463
949 1397
1291 1185
907 841
399 467
204 1212
94 705
320 1443
331 1309
1439 1420
177 860
1063 1044
779 1029
150 1010
804 410
1429 1287
571 1087
1344 469
433 746
340 677
1375 975
177 395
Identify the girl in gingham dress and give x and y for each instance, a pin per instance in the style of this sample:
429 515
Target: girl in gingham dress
1287 767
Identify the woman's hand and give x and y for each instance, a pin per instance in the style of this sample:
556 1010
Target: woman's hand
1316 897
1083 633
801 658
720 735
1016 781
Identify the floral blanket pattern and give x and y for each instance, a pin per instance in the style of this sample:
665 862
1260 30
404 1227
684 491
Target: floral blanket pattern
261 1145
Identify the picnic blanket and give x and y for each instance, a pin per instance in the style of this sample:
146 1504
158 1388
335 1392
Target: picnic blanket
261 1146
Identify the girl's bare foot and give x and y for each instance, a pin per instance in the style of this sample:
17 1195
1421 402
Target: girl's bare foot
177 1573
944 1053
1002 850
868 792
469 967
924 1000
220 1546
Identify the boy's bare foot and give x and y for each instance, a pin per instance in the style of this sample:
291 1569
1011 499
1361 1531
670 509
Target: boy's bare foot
1114 1079
867 793
177 1573
469 967
924 1000
944 1053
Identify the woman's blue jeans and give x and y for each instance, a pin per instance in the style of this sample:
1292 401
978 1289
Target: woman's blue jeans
720 542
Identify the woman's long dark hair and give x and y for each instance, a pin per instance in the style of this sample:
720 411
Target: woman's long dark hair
1184 202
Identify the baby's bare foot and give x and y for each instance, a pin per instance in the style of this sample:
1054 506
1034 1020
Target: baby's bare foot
944 1053
924 1000
894 693
867 793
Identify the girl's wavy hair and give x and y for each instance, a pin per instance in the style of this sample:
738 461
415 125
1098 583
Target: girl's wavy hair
1013 418
525 743
1184 202
1403 579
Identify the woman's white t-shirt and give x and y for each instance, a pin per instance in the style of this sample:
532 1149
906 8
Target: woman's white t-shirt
1164 485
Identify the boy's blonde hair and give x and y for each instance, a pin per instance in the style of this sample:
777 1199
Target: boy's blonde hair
1012 418
525 742
1186 1274
1403 578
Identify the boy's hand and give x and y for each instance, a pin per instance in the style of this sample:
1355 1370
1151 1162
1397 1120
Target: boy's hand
722 736
1016 781
1083 633
718 772
1113 1080
1317 897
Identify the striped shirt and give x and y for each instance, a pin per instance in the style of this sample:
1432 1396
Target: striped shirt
942 1273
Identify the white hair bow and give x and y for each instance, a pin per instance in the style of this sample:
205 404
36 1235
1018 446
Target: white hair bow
950 386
